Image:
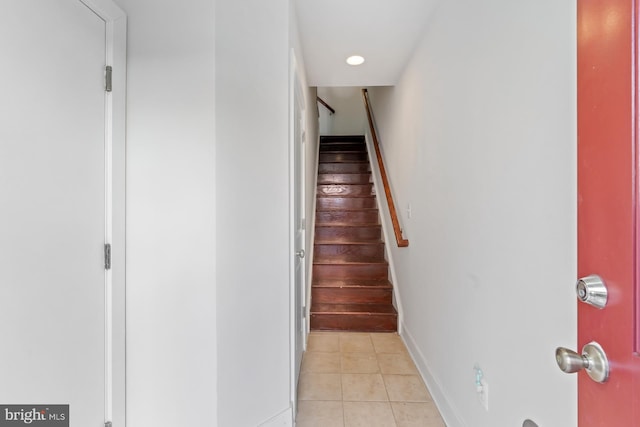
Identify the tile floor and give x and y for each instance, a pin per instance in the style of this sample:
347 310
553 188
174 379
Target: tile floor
353 379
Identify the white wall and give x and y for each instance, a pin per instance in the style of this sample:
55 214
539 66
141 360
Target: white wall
252 176
349 118
208 291
171 212
325 119
479 136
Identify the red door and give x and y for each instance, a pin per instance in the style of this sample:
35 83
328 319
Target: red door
608 206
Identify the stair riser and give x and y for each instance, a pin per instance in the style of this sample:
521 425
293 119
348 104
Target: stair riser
343 167
343 157
356 234
351 296
365 271
352 217
343 146
341 138
344 178
346 203
354 322
345 190
350 252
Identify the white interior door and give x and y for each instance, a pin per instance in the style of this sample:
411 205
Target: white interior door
56 209
298 239
300 236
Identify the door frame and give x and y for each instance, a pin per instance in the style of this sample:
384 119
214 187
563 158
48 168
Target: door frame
115 199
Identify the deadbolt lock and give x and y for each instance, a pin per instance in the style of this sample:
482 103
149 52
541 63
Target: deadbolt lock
592 290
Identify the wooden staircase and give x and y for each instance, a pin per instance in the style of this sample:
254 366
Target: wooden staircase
351 289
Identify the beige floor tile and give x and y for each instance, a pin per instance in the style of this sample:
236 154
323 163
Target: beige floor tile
320 414
359 363
406 388
368 414
362 380
396 363
363 387
388 343
324 341
321 362
314 386
353 342
417 414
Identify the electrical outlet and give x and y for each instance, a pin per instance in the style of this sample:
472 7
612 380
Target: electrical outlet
483 394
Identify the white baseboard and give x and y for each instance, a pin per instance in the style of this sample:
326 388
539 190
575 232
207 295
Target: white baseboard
444 404
283 419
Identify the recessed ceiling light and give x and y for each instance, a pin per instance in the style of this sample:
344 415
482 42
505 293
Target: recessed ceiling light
355 60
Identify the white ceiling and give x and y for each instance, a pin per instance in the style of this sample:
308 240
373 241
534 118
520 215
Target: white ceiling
385 32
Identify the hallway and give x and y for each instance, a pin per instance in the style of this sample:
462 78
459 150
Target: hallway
478 127
352 379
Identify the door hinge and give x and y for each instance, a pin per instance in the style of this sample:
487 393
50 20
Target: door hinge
108 424
108 78
107 256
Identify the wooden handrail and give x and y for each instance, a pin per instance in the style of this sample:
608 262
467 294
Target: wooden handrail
401 241
323 102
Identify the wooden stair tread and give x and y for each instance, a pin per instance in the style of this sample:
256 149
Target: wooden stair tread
345 239
355 243
345 179
336 223
345 196
340 173
339 165
357 224
338 261
345 173
329 162
345 209
340 184
346 225
344 151
340 162
337 241
352 283
379 309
